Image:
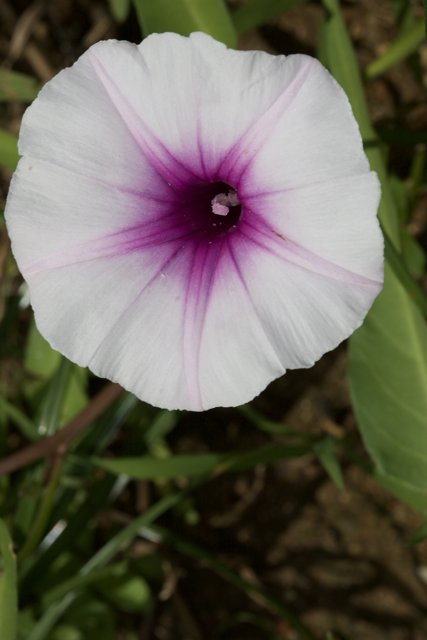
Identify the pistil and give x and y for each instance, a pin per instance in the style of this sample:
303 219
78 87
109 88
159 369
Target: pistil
222 203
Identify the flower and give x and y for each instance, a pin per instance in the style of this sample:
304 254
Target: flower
191 220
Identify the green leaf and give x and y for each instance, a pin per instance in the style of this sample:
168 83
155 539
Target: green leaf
150 468
162 424
17 87
24 424
8 150
51 616
326 452
413 255
337 53
64 398
8 590
397 264
388 354
61 383
40 359
407 44
388 382
119 9
420 534
262 423
186 16
125 590
258 12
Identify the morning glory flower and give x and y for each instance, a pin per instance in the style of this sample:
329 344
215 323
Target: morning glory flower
192 221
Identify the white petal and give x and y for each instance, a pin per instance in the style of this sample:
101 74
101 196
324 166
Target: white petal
334 220
309 134
204 117
73 124
56 218
191 339
304 311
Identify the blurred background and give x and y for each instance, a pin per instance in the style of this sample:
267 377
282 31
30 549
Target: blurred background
291 537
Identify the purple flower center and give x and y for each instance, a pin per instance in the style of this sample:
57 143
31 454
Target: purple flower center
207 210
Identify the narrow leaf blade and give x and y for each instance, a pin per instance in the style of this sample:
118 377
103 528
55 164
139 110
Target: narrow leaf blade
8 589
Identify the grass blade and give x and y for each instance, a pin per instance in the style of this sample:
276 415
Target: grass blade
408 43
8 591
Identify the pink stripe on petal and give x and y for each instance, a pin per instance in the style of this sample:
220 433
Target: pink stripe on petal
240 156
169 167
285 249
148 235
253 305
159 271
201 279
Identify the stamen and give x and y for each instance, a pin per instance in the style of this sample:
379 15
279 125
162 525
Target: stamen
223 201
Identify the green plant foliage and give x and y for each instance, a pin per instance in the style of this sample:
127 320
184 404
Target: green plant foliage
8 150
148 468
408 43
54 384
8 589
120 9
258 12
326 451
17 87
186 16
388 354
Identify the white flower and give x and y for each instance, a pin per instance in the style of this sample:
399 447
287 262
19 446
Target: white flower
191 220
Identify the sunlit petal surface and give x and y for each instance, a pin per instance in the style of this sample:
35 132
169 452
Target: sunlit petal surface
192 221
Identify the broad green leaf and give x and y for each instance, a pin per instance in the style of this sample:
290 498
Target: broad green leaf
15 86
388 354
186 16
388 380
407 44
8 590
119 9
257 12
8 150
